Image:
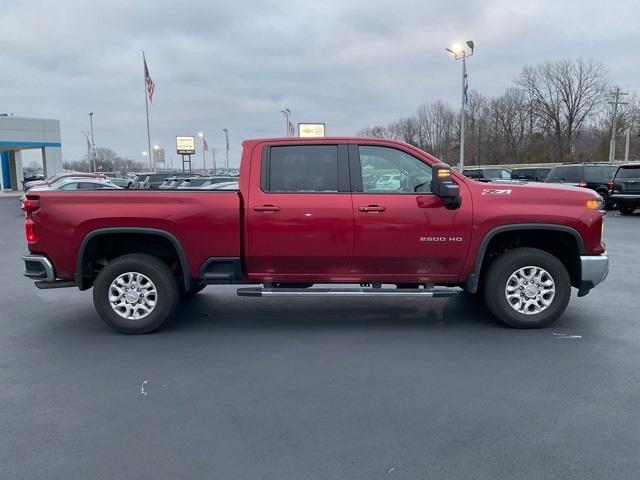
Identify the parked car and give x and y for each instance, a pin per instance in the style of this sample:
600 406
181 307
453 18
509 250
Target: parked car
302 216
203 182
32 178
152 181
72 183
221 186
624 188
53 178
119 179
532 174
170 183
487 174
388 182
594 176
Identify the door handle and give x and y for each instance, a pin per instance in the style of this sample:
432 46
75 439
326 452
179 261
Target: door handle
372 208
266 208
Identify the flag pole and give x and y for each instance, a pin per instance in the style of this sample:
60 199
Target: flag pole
146 104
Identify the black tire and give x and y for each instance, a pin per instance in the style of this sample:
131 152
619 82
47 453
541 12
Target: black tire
498 274
166 287
607 201
192 291
627 209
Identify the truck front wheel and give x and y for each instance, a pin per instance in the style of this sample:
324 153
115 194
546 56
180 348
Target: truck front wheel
527 288
135 293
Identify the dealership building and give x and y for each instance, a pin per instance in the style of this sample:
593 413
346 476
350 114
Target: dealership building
20 133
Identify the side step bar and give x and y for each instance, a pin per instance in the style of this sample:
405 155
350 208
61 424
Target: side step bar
436 292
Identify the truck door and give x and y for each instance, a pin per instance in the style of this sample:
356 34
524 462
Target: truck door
401 228
299 216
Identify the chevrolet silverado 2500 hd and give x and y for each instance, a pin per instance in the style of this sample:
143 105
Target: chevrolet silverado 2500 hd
312 211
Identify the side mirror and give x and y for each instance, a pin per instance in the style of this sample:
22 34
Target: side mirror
442 186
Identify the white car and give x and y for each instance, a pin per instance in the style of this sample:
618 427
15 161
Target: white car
222 186
73 184
389 182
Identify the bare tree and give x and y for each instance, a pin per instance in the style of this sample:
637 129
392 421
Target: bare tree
563 95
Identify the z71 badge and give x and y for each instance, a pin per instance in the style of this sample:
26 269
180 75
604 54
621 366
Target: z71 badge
496 191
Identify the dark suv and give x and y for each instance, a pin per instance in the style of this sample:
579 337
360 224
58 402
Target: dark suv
487 174
624 188
533 174
595 176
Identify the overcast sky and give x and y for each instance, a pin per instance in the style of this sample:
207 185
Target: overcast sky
235 64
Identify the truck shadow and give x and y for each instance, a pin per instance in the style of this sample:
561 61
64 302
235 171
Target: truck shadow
212 311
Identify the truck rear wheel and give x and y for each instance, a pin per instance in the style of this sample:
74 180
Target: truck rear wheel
527 288
135 293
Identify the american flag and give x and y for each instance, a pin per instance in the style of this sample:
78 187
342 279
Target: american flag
292 130
206 145
147 78
466 87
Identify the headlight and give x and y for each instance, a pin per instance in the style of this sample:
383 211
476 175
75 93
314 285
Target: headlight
595 204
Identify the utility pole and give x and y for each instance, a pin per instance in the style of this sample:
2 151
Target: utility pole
93 143
226 163
616 94
213 158
626 145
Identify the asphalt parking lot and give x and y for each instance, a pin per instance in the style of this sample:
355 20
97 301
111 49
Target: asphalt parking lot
250 388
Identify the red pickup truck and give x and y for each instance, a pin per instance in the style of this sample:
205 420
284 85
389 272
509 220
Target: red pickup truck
378 213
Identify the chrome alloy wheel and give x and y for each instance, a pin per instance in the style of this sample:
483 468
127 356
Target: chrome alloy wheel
530 290
132 295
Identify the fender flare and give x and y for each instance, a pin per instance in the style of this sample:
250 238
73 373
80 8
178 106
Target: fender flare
472 282
142 230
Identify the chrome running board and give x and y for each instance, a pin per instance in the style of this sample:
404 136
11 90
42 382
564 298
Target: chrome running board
437 292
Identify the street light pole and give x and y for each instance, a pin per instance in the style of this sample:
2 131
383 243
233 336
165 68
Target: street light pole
459 53
204 161
93 143
226 163
286 113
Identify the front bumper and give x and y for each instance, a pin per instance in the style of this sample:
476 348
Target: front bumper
594 270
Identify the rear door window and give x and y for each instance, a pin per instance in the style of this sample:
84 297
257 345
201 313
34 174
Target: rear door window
302 168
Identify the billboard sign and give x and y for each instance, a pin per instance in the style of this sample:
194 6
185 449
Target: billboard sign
185 145
311 129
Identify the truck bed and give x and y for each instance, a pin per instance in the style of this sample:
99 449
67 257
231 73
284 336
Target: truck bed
201 221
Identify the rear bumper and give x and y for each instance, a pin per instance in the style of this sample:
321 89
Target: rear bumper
38 267
595 269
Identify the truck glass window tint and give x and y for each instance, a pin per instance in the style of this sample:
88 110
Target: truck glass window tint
304 168
393 171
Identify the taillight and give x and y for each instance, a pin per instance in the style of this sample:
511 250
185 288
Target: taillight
30 230
582 183
30 205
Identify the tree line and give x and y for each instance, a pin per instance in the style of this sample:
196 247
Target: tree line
554 112
106 161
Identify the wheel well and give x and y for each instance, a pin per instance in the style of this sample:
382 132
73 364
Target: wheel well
561 244
101 249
